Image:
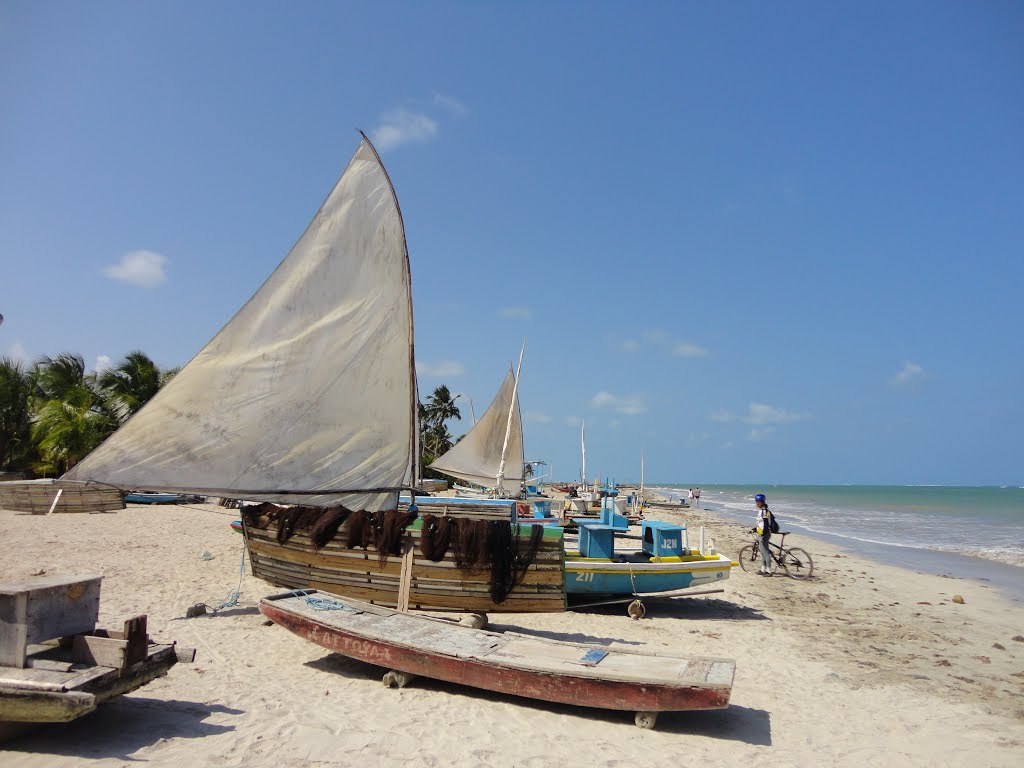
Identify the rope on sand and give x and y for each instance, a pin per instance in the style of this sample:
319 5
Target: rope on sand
229 602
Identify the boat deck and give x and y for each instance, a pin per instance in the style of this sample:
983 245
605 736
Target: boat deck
581 674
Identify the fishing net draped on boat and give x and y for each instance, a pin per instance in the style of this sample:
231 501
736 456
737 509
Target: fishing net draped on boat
476 546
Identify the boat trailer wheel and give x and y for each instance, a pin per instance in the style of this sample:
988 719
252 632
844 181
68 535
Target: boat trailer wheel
645 720
636 610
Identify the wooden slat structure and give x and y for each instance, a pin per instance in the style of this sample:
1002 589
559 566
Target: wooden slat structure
359 574
37 497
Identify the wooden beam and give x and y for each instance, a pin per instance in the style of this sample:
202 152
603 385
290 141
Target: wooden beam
21 706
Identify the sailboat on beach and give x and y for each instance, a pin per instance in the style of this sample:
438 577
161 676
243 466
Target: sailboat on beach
493 447
307 401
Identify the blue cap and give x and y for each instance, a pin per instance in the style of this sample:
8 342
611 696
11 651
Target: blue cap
759 497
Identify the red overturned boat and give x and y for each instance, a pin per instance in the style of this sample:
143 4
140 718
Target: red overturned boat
409 645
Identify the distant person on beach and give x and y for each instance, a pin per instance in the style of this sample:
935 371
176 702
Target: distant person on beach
764 529
696 497
689 498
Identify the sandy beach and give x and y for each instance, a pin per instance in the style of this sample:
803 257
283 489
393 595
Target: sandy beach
862 665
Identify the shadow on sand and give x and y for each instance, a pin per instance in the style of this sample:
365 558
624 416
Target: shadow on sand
353 669
705 609
736 723
121 727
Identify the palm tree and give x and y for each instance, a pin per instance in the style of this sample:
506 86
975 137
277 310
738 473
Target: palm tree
56 376
72 415
435 439
15 414
132 383
441 406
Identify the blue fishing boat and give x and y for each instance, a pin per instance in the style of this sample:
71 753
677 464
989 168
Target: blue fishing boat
665 562
146 497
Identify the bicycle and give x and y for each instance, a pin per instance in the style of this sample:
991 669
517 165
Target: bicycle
795 561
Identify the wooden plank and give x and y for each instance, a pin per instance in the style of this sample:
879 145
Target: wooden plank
23 706
100 651
137 640
56 499
406 580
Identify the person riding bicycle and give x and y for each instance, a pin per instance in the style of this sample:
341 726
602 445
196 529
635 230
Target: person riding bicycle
764 530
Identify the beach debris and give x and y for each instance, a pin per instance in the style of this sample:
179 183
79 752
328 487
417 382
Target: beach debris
1017 674
958 599
999 646
195 610
206 555
943 663
923 602
268 623
984 659
1018 638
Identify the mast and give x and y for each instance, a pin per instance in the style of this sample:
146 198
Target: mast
414 410
583 445
641 473
508 425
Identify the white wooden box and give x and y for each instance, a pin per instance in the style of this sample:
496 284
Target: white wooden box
45 608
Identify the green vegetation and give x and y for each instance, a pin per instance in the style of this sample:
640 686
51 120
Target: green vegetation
55 414
435 440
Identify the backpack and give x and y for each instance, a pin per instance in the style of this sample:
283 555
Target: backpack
773 524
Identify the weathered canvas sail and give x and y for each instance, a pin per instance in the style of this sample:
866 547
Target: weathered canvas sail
476 457
309 387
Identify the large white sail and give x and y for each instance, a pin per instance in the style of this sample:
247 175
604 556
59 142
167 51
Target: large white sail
477 456
309 387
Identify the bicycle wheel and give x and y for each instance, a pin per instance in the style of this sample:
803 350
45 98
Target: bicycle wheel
749 558
797 563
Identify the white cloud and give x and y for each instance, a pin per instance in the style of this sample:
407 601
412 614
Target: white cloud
444 368
761 413
613 424
631 405
102 363
521 312
759 433
631 345
722 415
401 126
688 349
573 421
17 353
453 105
910 372
536 417
675 347
142 268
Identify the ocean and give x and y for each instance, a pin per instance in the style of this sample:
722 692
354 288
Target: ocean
940 529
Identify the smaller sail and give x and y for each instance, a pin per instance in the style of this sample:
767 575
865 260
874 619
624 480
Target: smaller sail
477 456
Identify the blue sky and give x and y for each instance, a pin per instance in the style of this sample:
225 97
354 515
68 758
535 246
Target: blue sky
760 242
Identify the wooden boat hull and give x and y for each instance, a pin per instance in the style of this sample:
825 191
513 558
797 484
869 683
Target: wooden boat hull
52 691
603 577
442 586
40 497
510 663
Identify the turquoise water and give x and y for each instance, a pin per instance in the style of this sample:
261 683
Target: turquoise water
983 522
